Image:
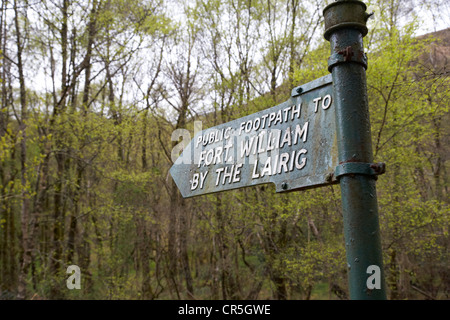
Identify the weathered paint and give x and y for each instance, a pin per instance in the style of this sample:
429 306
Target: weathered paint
345 28
318 149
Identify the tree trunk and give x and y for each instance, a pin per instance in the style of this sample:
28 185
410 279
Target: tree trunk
172 246
26 241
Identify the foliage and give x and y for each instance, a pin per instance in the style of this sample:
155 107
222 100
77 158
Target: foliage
86 124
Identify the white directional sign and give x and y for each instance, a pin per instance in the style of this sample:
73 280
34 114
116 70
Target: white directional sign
292 145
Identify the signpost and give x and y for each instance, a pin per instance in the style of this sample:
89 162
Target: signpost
292 145
320 136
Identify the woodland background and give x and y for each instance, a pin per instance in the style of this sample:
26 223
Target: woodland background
91 92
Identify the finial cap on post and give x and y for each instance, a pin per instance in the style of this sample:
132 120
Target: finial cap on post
345 14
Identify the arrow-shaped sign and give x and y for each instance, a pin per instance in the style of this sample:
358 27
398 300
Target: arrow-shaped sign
292 145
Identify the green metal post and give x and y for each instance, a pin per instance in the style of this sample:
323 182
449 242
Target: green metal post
345 27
